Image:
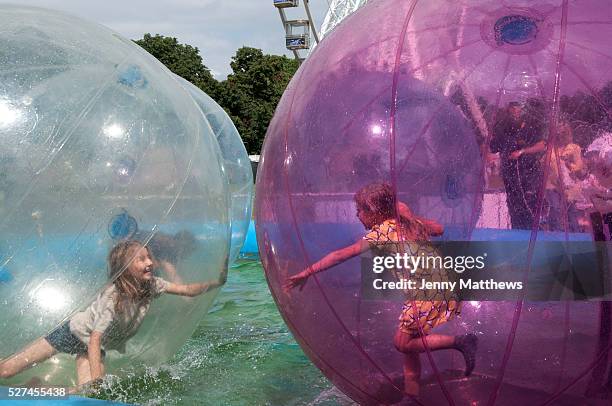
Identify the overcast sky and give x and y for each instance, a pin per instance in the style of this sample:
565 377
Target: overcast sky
217 27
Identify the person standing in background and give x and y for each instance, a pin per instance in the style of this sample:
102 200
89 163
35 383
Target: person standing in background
518 137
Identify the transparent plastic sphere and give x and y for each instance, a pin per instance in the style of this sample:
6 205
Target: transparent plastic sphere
421 95
99 144
235 162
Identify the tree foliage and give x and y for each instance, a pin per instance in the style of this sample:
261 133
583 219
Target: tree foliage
249 94
182 59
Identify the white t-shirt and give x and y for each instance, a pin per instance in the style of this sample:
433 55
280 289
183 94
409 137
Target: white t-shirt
102 316
601 144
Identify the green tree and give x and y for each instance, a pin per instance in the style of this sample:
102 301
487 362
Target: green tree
182 59
249 94
252 91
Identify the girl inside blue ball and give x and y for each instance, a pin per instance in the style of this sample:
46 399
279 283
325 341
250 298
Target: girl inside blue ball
111 319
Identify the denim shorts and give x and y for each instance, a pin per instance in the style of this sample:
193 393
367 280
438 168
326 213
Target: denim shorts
63 340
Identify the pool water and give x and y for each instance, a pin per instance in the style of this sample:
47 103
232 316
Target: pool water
241 354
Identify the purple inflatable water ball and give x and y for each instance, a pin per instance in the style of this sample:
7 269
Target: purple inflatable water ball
476 115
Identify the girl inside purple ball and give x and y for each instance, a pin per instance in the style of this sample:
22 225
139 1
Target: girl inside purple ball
378 209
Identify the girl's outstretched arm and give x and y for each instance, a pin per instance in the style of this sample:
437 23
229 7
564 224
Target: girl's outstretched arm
192 289
195 289
328 261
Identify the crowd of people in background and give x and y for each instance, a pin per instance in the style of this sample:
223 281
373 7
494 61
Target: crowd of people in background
552 181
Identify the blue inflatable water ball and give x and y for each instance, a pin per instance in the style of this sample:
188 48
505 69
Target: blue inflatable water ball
235 162
99 144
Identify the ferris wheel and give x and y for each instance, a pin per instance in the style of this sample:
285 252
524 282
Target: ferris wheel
298 31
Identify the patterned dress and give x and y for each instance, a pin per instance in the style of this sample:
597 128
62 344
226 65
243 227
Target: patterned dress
440 306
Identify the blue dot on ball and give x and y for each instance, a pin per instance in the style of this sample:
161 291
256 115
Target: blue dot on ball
132 76
122 226
515 30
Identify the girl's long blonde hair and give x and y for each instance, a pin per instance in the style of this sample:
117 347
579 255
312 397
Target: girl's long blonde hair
129 288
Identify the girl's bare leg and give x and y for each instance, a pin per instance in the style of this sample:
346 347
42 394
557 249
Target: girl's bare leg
83 369
38 351
406 343
412 373
466 344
